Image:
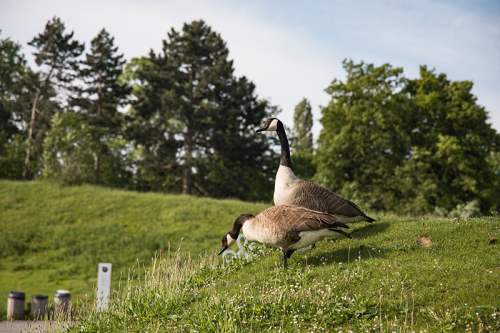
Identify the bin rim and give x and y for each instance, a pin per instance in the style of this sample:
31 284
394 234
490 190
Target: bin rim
62 293
16 294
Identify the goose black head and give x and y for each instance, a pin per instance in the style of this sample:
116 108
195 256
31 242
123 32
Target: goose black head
230 238
270 125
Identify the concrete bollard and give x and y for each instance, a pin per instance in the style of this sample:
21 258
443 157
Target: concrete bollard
62 299
39 306
15 305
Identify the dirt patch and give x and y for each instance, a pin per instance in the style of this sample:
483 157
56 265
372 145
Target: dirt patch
424 241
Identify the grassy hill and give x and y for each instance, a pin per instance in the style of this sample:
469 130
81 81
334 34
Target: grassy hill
396 275
53 237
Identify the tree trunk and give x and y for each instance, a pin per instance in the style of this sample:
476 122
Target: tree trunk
99 113
97 162
30 138
99 92
186 176
32 122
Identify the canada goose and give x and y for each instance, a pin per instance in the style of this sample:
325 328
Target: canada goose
290 190
285 227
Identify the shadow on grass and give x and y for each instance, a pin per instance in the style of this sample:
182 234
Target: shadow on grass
369 230
367 251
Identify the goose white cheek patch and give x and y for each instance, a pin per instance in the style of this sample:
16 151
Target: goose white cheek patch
273 126
230 241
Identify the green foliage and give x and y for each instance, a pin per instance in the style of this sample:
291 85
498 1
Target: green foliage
194 122
12 67
102 93
97 101
12 159
302 128
12 64
408 145
69 153
304 165
451 144
69 148
365 135
468 210
57 52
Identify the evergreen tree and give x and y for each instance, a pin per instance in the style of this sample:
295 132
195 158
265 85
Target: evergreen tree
194 120
56 52
302 128
302 141
102 93
12 68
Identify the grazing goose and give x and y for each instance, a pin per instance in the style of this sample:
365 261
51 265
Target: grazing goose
290 190
285 227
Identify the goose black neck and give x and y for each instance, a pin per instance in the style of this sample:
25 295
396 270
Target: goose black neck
238 223
235 232
285 148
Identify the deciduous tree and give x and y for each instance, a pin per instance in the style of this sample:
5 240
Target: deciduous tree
406 145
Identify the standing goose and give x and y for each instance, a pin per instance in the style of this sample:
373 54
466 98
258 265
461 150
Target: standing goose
290 190
285 227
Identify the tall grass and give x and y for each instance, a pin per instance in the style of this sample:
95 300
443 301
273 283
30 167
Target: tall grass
205 295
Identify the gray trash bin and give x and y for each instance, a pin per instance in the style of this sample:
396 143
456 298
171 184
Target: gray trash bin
62 299
39 306
15 305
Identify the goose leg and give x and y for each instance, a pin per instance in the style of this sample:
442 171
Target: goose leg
289 253
285 257
307 250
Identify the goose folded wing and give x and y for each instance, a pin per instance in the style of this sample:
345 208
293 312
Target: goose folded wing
305 219
322 199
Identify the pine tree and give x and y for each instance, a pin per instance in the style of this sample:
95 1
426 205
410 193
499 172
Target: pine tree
302 128
99 98
12 68
56 51
194 116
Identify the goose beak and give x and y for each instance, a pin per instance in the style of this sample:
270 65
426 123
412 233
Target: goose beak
222 249
261 129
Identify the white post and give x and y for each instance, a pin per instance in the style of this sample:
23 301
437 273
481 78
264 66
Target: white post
103 285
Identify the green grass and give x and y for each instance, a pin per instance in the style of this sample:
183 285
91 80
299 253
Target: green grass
53 237
383 280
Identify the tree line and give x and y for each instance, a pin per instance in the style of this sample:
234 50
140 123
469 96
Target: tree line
189 127
180 121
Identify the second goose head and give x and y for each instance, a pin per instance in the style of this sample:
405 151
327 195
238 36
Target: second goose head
230 238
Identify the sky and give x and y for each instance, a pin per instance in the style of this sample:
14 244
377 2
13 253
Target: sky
294 49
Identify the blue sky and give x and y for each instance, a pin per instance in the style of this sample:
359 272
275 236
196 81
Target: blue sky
294 49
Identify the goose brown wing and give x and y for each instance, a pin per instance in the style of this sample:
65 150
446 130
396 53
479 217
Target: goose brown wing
299 218
318 198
